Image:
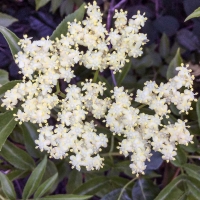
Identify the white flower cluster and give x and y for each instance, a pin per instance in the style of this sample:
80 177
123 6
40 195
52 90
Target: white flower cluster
157 97
142 130
80 139
44 62
125 39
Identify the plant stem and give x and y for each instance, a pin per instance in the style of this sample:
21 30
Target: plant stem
2 198
156 7
57 86
61 94
112 144
113 78
111 154
111 11
108 26
95 76
182 117
111 147
176 173
195 157
141 106
123 189
182 171
58 92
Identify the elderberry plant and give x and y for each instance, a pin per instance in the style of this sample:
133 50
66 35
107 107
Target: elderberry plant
44 62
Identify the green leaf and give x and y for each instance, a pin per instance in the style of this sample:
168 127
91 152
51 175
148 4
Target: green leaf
104 130
171 119
198 110
55 5
63 169
194 186
17 174
192 170
169 189
121 75
119 181
62 28
113 195
51 169
7 124
74 181
190 197
144 189
129 82
78 2
6 20
177 194
176 61
122 165
196 13
11 39
144 62
34 179
17 157
181 158
17 136
192 116
3 77
66 197
92 186
194 128
41 3
46 186
30 135
7 187
164 46
191 148
174 110
66 7
7 86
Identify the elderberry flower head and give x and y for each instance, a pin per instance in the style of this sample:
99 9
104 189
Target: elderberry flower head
44 63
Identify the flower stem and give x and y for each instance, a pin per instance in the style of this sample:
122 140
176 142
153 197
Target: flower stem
111 154
112 144
95 76
58 92
2 198
113 78
57 86
123 189
195 157
111 147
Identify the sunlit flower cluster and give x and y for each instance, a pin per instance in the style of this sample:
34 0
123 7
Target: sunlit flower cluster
44 63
